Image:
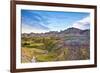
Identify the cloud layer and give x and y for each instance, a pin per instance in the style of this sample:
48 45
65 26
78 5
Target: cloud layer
33 20
38 21
83 23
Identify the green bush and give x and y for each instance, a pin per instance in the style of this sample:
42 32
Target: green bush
24 44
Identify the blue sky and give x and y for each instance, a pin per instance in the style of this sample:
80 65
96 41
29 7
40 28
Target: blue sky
38 21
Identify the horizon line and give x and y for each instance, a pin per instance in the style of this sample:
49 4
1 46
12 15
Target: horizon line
54 31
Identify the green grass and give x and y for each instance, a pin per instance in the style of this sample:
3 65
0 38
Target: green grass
46 57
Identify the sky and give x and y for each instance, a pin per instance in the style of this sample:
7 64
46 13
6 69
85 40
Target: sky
39 21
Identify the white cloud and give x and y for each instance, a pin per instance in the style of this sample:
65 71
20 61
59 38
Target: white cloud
29 29
82 24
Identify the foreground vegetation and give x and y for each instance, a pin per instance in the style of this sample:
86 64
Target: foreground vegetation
44 49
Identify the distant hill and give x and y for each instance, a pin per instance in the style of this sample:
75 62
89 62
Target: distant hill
70 31
85 32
